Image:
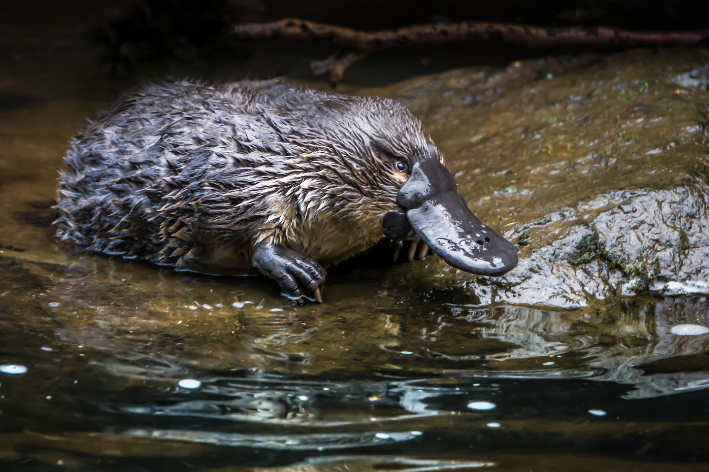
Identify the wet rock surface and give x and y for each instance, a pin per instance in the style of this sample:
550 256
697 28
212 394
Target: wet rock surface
647 239
556 151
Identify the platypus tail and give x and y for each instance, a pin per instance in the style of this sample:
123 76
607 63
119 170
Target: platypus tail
43 215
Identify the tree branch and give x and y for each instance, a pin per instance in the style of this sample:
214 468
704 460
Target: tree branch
358 43
336 64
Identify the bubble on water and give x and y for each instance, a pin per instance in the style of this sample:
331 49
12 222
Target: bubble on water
46 349
382 436
481 406
689 330
416 433
13 369
493 425
54 304
189 384
192 307
548 363
406 353
207 307
276 310
598 412
303 398
241 304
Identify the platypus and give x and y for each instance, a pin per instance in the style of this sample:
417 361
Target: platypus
262 174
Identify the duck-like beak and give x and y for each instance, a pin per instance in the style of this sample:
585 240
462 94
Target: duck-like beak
439 215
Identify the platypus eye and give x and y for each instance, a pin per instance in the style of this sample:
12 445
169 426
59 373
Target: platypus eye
401 166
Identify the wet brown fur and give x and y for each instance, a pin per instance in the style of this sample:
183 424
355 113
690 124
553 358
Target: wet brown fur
192 175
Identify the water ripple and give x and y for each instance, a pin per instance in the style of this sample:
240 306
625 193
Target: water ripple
320 442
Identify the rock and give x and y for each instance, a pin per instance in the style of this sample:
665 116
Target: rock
647 238
595 167
698 78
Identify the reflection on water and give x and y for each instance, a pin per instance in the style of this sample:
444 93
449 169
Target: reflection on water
112 348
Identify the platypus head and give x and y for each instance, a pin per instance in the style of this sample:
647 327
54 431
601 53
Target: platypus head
385 145
388 172
430 206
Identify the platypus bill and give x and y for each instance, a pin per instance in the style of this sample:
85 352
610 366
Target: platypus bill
222 178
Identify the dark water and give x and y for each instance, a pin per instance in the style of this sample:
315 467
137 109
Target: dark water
372 379
405 367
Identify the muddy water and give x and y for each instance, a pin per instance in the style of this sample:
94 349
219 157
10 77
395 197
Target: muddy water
411 366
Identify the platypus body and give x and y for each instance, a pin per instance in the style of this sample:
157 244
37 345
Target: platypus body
223 178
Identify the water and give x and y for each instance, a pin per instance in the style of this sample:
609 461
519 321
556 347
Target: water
109 364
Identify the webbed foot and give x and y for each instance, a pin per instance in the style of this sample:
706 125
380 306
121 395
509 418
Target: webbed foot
296 274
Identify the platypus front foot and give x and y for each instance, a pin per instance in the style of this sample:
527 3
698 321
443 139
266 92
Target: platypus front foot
296 274
399 230
416 245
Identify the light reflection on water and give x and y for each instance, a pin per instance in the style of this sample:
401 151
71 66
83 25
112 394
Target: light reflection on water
318 378
320 442
13 369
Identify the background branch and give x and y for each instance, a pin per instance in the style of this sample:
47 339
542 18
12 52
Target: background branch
335 65
357 43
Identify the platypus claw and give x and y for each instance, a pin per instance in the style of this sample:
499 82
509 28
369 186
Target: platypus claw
413 247
416 245
398 245
423 252
296 274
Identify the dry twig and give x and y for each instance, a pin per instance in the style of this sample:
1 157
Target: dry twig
357 44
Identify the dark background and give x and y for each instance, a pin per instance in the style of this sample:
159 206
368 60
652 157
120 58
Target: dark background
129 41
